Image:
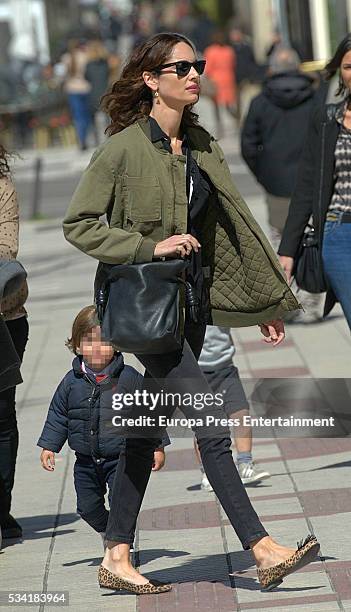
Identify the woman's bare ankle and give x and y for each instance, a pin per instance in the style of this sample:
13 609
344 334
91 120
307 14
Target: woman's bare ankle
123 568
268 553
117 554
260 547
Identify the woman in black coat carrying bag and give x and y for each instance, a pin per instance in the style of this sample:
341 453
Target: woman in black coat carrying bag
323 189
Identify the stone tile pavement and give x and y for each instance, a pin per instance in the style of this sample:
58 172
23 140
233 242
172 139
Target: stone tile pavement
183 535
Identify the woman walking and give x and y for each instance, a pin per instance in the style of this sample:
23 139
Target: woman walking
15 316
97 74
220 69
139 179
77 88
323 189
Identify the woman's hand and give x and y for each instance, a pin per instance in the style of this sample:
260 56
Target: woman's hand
178 245
47 459
287 264
273 331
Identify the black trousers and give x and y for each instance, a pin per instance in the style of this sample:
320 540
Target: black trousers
18 329
91 480
10 374
180 373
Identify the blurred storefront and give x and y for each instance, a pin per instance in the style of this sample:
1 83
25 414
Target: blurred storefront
26 27
313 27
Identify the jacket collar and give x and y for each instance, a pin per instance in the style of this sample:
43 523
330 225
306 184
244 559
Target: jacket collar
117 366
158 137
156 132
201 145
155 135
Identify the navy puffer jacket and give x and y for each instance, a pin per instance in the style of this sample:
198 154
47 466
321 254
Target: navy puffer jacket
81 411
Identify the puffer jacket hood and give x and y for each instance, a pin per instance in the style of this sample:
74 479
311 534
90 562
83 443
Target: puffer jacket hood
288 89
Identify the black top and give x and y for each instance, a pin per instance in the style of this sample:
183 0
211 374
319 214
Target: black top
202 185
202 188
246 66
97 74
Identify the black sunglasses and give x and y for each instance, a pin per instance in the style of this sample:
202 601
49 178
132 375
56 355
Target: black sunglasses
183 67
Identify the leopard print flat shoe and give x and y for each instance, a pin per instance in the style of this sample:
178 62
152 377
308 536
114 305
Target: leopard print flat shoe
108 580
306 552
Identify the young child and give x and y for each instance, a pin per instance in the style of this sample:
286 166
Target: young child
82 402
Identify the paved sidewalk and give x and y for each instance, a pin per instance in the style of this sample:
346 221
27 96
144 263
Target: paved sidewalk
183 535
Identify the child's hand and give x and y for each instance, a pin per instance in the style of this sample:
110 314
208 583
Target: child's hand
47 459
159 459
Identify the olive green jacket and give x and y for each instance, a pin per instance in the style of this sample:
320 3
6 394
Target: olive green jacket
142 189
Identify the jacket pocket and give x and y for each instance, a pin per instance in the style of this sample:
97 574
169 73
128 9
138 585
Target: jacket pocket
143 199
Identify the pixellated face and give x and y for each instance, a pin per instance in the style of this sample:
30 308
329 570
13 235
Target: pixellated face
179 86
96 353
345 70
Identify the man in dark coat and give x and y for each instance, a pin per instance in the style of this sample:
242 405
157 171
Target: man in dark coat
272 140
246 66
247 71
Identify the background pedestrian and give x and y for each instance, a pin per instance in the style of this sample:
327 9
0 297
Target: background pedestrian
272 140
247 71
216 362
97 73
220 68
78 88
15 316
323 188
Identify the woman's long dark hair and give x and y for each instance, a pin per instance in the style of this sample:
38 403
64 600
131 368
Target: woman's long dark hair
334 65
4 162
130 99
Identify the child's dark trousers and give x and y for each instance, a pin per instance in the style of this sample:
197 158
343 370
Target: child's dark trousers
91 479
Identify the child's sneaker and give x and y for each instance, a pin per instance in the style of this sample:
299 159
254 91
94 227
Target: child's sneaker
249 473
205 484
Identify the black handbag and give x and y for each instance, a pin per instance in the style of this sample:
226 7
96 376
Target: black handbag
138 306
308 265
